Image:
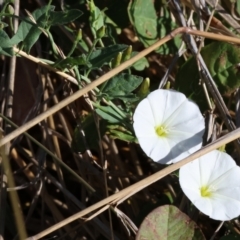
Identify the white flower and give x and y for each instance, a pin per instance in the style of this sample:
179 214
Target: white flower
168 126
212 183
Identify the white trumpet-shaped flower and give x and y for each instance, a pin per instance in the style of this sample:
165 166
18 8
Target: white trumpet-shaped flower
212 183
168 126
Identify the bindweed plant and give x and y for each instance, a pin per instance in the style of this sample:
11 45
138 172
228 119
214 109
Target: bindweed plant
211 183
133 101
172 133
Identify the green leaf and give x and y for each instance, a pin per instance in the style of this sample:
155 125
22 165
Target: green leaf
122 135
5 44
97 20
80 142
29 33
168 222
96 17
109 114
140 64
149 27
121 85
223 65
128 98
103 56
166 25
72 61
144 18
60 18
149 206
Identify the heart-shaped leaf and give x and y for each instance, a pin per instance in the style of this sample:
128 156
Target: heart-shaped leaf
72 61
103 56
150 27
29 33
5 44
169 223
121 86
222 60
60 18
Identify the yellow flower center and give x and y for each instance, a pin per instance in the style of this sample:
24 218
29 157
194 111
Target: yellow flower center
161 131
205 191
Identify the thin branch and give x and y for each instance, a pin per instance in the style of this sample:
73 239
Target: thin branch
108 75
131 190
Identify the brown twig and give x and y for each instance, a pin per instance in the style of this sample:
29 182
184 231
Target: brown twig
131 190
107 76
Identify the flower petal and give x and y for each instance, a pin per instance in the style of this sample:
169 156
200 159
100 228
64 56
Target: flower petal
223 208
144 112
182 145
186 132
223 169
142 128
164 103
190 176
219 173
186 116
180 117
154 147
228 183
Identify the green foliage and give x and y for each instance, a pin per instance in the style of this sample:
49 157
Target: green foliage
29 30
60 18
168 222
122 134
116 123
103 56
96 18
115 101
149 27
97 59
166 25
5 44
109 114
143 16
140 64
121 86
112 122
72 61
31 27
223 65
115 119
149 206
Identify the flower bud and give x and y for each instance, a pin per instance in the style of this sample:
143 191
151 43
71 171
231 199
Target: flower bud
117 60
127 53
144 88
101 32
10 9
79 35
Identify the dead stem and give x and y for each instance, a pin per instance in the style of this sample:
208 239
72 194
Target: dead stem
105 77
131 190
